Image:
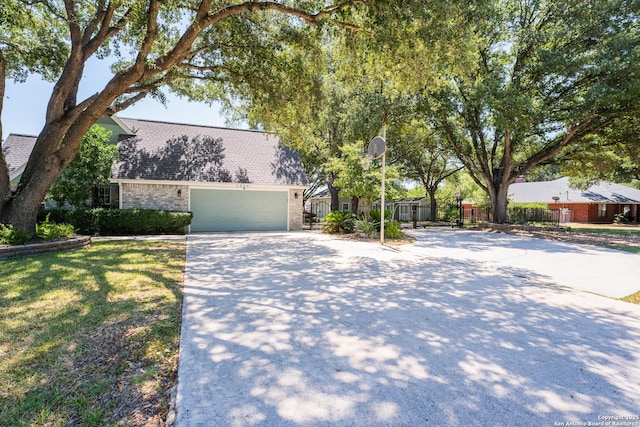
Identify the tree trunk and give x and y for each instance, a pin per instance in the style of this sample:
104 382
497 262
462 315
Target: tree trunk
433 203
22 212
5 184
355 200
333 192
498 195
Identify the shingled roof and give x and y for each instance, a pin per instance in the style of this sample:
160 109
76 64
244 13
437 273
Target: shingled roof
543 192
183 152
17 149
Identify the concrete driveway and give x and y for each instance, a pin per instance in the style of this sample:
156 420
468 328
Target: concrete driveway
304 329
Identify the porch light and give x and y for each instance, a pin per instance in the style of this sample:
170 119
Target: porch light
179 192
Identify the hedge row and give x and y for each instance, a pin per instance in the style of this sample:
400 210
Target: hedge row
120 222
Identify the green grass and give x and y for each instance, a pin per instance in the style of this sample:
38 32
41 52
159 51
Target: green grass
632 249
619 230
79 328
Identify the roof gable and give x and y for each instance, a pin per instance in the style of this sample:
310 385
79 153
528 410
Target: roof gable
183 152
17 149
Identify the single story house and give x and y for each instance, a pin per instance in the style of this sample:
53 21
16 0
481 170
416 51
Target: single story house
231 179
320 205
403 208
597 204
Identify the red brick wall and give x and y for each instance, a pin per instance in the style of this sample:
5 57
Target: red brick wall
581 212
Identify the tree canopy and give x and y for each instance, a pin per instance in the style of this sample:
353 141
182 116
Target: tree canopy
207 50
547 76
90 168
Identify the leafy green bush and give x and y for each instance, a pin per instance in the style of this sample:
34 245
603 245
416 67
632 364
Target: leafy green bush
9 235
48 230
339 222
392 230
103 221
375 215
368 227
522 213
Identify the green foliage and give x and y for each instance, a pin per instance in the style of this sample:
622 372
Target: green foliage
48 230
612 155
547 77
375 215
339 222
90 168
416 191
30 41
523 213
392 230
9 235
108 222
368 227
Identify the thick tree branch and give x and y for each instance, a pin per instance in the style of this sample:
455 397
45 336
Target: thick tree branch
5 188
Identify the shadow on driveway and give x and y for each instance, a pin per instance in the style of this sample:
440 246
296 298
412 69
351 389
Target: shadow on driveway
307 330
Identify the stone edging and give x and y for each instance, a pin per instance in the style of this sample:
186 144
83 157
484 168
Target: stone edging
75 242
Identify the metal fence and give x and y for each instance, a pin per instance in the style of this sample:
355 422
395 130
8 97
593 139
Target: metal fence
471 214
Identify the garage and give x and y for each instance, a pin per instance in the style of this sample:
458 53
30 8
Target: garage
233 210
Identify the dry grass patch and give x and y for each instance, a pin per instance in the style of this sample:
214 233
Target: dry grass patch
90 337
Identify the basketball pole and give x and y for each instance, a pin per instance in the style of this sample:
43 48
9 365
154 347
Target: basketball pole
382 213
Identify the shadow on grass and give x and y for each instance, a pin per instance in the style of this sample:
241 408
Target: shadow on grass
67 322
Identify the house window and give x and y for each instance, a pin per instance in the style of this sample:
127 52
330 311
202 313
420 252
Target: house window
345 206
103 195
602 210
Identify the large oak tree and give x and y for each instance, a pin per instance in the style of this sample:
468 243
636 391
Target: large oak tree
546 76
205 49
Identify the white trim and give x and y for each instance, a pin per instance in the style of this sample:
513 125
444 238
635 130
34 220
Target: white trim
17 172
119 195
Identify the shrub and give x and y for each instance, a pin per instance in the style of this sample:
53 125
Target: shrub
9 235
48 230
375 215
106 222
392 230
368 227
339 222
522 213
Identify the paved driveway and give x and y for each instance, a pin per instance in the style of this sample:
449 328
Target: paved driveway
302 329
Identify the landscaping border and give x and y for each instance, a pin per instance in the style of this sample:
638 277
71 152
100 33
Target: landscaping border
75 242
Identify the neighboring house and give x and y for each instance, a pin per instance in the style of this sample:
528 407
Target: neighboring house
403 209
597 204
232 180
320 205
17 149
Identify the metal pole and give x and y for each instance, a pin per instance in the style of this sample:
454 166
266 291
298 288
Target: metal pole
382 215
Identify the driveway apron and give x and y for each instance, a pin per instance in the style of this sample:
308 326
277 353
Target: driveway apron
305 329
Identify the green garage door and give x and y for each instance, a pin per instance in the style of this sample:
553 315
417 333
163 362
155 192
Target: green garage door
230 210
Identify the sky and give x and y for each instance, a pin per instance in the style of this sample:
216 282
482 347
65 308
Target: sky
25 104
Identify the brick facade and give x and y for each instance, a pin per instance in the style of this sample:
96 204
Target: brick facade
296 210
590 213
155 196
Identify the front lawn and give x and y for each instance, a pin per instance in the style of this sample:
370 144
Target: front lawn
90 337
